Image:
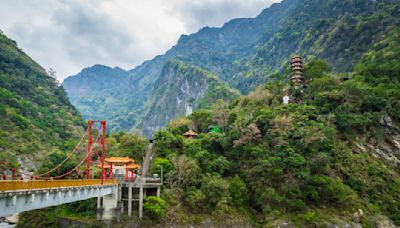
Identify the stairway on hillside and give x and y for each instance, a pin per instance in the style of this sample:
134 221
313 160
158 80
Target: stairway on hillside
147 159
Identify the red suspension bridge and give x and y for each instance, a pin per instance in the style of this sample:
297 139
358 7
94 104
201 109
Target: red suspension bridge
34 191
29 181
25 191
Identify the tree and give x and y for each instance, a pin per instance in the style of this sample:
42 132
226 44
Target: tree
52 73
238 191
180 125
215 188
249 134
184 170
161 162
202 119
316 69
132 146
195 198
220 113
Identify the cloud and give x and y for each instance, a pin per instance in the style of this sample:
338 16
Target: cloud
68 35
214 13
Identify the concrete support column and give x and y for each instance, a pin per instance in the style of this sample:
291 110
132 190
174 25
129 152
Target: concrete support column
98 202
158 191
130 200
110 203
120 198
119 193
99 212
141 202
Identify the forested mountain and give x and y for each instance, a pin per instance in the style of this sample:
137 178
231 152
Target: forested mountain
102 92
246 52
36 117
329 158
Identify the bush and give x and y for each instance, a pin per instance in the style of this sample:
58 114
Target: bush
195 198
215 189
333 191
155 207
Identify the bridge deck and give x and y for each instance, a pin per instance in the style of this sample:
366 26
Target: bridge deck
16 185
18 196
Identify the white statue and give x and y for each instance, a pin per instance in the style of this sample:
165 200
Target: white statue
286 99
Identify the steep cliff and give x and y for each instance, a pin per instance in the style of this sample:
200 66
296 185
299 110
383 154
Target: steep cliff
181 89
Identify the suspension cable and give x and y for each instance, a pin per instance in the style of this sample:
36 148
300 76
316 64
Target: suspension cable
65 160
80 163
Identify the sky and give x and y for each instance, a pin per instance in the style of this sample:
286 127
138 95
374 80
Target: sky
69 35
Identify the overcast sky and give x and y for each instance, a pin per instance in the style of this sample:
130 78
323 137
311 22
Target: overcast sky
68 35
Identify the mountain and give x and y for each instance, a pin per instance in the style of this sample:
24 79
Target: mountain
245 52
181 89
106 97
329 158
36 117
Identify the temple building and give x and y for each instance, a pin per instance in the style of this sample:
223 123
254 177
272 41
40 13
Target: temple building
297 70
122 167
191 134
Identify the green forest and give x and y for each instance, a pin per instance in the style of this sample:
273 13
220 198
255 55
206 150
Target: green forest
310 162
36 118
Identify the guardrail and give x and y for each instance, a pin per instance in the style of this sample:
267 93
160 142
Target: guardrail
14 185
151 180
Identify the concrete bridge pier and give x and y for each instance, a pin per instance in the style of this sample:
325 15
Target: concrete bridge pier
158 191
99 212
121 205
141 202
130 199
109 207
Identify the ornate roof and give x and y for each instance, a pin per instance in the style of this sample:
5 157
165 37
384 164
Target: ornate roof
119 160
125 161
190 133
130 166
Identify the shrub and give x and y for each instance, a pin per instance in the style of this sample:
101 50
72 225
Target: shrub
155 207
195 198
215 189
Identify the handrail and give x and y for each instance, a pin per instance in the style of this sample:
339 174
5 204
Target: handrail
15 185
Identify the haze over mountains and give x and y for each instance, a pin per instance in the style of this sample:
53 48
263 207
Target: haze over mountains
238 56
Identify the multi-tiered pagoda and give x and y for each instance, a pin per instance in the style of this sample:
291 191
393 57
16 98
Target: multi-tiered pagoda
297 70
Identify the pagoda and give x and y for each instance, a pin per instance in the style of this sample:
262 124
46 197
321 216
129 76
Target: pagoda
191 134
297 70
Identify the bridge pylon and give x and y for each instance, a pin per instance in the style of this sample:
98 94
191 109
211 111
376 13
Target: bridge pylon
89 147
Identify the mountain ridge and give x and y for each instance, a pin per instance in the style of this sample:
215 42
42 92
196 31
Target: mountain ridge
245 52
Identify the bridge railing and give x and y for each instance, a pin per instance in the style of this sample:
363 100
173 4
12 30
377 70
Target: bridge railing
14 185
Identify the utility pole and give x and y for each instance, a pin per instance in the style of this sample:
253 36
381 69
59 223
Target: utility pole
162 174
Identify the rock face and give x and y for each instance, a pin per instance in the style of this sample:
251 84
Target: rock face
181 89
383 222
389 147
